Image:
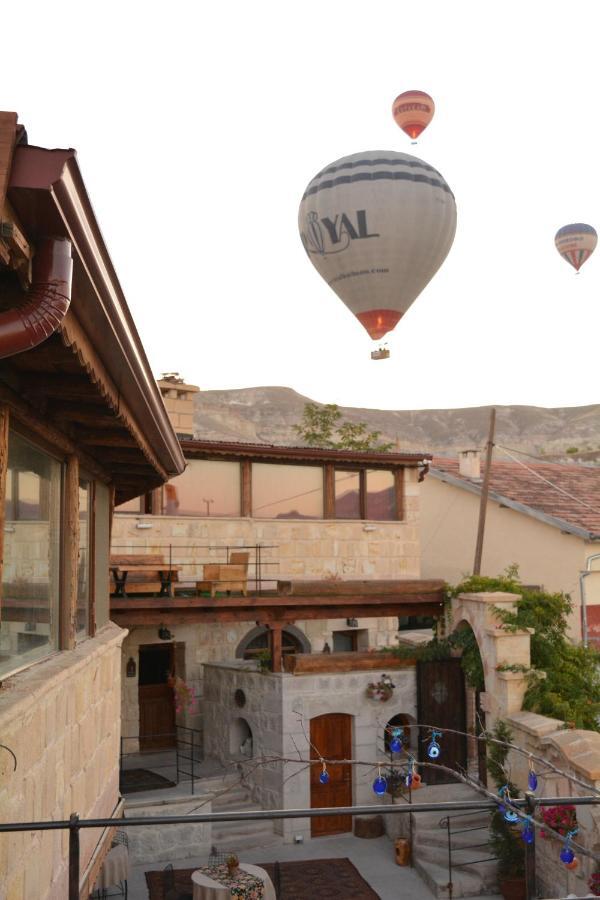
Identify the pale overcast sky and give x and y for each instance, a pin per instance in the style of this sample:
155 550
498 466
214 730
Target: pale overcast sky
198 127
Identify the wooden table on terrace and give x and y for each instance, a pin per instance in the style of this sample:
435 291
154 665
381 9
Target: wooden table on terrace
164 573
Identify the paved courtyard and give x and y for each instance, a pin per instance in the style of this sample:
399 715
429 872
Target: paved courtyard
374 859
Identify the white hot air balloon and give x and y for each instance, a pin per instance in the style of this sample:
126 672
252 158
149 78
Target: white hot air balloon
377 226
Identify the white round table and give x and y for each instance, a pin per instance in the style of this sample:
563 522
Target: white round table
206 888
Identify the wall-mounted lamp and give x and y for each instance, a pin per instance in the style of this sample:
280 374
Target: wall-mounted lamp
141 525
369 528
352 623
131 668
164 633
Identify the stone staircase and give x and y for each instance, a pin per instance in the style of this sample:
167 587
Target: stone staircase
230 796
430 845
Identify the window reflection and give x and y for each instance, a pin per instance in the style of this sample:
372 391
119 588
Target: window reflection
83 566
381 495
30 589
206 488
347 495
287 492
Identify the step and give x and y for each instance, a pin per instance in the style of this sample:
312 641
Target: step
464 884
241 836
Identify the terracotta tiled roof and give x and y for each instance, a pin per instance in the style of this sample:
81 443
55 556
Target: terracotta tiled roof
529 488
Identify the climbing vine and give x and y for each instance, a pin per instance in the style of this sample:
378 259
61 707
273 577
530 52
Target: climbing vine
564 680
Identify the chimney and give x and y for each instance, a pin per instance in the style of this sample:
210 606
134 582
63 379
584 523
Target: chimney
469 464
178 398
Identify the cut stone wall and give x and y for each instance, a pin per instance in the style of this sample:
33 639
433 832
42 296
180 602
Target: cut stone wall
301 549
217 642
278 711
61 718
164 843
577 753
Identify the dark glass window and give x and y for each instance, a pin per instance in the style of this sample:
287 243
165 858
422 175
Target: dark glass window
83 565
287 492
206 488
347 495
31 576
381 495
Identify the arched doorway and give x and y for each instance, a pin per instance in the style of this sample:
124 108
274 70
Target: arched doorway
403 721
293 641
465 641
331 738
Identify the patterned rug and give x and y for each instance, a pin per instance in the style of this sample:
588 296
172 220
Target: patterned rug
133 780
325 879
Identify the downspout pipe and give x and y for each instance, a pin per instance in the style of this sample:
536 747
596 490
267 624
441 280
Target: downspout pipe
47 300
582 577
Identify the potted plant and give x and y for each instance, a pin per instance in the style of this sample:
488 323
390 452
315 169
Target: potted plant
263 659
505 840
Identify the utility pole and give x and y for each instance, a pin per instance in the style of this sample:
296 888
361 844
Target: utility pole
484 494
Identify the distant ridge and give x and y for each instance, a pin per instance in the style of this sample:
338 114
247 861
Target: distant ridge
266 415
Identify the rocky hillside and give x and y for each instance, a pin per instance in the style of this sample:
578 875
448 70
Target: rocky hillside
267 414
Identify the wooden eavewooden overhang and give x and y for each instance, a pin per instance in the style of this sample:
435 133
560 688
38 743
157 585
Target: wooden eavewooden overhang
90 379
309 600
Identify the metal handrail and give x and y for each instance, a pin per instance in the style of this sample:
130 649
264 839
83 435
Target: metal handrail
185 737
445 822
75 824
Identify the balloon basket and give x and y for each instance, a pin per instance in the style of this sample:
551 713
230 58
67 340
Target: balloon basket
382 353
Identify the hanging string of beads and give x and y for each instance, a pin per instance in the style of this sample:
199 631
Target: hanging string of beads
412 777
396 740
532 779
380 783
528 832
510 815
434 749
567 856
324 776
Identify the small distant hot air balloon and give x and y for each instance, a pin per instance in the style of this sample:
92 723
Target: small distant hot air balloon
576 243
377 226
413 111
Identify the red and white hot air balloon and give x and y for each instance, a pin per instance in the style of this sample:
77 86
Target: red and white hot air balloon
576 243
377 226
413 111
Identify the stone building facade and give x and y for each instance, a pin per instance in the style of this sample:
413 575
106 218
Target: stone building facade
275 722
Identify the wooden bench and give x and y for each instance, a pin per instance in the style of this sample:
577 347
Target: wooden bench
231 576
142 573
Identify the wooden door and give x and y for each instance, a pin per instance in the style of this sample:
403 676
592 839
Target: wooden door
441 704
156 700
331 738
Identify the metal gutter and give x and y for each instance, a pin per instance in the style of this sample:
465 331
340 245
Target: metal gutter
554 521
316 454
46 188
47 301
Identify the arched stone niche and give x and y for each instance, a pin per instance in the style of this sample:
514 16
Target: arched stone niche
504 690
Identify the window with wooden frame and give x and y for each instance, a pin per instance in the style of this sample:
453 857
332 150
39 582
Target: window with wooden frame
368 494
84 563
29 604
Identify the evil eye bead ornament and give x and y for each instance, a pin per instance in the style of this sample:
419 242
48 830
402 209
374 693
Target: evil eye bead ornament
380 784
396 741
434 749
532 779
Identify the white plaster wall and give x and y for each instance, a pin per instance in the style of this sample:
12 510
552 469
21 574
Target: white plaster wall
279 709
545 555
